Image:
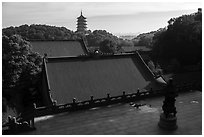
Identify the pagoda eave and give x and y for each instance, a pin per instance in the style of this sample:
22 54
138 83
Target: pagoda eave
81 17
81 24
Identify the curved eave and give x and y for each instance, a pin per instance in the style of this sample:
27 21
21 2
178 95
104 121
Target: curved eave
161 81
81 20
82 29
81 17
81 23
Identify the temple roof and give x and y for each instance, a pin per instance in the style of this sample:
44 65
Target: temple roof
134 48
82 77
81 23
59 48
81 17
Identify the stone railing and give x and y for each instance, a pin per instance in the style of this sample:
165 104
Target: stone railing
41 111
79 105
108 100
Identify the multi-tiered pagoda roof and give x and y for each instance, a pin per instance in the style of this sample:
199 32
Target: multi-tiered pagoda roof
81 23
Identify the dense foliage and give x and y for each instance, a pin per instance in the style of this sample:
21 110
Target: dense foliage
20 66
97 36
181 43
107 42
107 46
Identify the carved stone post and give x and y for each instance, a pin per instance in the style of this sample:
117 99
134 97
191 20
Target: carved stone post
108 97
32 122
12 123
168 119
151 91
74 105
123 96
91 102
138 92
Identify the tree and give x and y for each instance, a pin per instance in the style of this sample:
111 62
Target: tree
97 36
145 39
182 40
107 46
20 66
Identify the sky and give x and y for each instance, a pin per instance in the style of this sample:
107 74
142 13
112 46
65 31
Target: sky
115 17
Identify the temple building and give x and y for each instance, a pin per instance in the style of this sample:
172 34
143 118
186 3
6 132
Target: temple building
60 48
106 94
81 24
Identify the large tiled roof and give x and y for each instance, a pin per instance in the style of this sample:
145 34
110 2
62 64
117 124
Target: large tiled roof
82 77
59 48
125 119
134 48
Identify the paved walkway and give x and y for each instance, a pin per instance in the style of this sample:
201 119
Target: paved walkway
124 119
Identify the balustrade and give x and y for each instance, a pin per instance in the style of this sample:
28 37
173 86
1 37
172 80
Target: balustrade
109 100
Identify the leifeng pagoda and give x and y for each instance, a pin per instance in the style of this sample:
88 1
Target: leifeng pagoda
81 24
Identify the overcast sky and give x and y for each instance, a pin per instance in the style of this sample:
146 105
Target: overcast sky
115 17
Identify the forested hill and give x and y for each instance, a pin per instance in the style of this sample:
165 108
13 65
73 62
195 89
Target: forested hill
41 32
146 39
182 41
45 32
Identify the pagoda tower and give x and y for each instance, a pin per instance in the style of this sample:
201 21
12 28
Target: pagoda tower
81 24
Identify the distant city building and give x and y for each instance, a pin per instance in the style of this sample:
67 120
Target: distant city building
81 24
